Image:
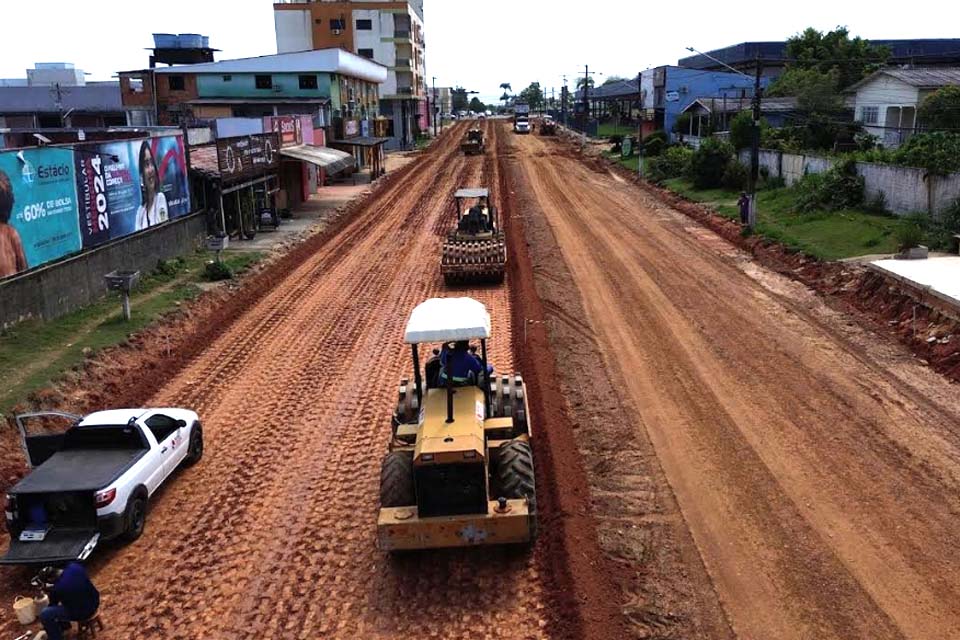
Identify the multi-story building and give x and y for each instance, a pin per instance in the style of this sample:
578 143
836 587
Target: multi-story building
330 85
390 33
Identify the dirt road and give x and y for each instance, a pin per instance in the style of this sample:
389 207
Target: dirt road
272 535
815 468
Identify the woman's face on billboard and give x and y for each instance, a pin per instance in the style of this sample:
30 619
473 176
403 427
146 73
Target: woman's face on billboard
148 173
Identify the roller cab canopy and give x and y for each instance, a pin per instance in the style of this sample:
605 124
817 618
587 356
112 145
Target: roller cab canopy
478 192
447 320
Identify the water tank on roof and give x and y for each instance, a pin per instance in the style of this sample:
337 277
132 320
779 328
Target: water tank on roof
165 41
191 41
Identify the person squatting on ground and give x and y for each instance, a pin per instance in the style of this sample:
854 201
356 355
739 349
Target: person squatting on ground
73 598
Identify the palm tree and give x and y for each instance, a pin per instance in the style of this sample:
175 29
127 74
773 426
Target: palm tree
506 92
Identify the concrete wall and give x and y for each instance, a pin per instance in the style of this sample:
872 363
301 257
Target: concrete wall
59 288
906 189
294 30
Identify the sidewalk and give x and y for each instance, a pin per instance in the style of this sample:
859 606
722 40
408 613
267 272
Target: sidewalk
936 280
313 215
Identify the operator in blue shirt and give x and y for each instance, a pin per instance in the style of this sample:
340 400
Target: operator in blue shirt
460 365
72 598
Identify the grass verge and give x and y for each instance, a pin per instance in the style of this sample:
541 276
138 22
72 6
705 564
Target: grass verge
827 235
607 129
36 352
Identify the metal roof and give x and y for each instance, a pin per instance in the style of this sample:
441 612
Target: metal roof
216 101
89 98
476 192
362 141
319 61
924 78
942 77
735 105
331 160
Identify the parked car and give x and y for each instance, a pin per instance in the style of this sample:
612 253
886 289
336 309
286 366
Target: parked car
92 482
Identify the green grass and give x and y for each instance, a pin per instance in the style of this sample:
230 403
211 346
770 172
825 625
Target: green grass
632 163
607 129
828 235
34 353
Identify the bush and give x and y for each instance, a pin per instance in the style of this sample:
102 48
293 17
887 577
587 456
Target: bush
938 233
672 163
735 176
655 143
909 234
839 188
937 152
166 268
217 270
741 130
709 162
877 204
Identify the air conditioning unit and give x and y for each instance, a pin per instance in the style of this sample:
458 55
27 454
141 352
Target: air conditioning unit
337 32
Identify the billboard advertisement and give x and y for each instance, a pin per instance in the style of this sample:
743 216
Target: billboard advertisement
247 156
127 186
38 208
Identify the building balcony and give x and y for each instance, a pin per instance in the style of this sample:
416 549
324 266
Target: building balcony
403 34
403 63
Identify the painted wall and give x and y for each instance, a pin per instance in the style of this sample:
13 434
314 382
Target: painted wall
882 92
211 85
691 84
906 190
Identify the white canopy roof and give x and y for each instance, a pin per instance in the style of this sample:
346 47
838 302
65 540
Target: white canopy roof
447 320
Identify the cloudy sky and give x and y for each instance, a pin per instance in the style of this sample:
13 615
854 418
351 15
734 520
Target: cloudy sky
475 43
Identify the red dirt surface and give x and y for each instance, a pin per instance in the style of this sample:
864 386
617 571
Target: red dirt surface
814 465
875 301
294 376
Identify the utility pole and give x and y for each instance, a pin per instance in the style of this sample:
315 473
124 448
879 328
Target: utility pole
640 124
563 101
436 111
755 148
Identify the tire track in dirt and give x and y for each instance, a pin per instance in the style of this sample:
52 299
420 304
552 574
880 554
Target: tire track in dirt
296 397
821 497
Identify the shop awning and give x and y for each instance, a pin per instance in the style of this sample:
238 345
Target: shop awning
367 141
331 160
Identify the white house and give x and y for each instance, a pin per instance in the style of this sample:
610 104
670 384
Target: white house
886 102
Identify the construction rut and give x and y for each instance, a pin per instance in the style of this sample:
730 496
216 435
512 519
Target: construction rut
806 478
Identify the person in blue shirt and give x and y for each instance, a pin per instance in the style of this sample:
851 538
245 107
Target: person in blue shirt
459 364
72 598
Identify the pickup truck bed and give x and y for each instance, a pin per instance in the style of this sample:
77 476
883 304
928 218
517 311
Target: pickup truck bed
80 470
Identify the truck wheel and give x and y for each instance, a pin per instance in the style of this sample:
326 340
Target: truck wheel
135 517
195 452
515 473
396 480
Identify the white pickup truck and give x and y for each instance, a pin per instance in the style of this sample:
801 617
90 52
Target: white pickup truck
92 482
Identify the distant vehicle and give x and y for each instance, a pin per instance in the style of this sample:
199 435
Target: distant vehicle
92 482
547 126
521 125
488 113
482 116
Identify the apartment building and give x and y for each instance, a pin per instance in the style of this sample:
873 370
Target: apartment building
390 33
